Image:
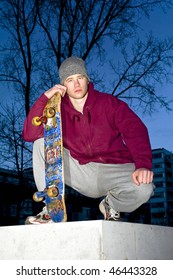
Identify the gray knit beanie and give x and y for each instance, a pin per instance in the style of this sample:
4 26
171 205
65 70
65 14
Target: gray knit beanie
71 66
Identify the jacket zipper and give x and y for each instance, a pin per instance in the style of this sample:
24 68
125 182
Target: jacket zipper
86 123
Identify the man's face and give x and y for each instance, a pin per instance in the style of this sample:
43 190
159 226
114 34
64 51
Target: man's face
77 86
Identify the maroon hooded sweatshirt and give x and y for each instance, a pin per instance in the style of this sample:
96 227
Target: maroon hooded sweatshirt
107 132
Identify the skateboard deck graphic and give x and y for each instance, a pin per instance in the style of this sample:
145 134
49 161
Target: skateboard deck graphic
54 193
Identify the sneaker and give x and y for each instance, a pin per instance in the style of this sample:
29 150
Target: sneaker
109 213
42 218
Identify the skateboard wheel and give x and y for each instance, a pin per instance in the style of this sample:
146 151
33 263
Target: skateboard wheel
52 192
36 198
50 112
36 121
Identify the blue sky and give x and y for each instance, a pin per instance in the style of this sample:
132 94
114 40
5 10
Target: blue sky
160 124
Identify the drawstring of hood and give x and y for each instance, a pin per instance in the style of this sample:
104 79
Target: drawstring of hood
88 115
76 117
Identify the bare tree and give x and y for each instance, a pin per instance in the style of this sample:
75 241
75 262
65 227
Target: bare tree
83 28
34 54
147 65
14 152
15 155
44 32
18 18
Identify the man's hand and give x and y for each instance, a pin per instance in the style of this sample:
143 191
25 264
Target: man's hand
57 88
142 175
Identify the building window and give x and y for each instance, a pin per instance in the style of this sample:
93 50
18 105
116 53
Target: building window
158 155
158 205
158 165
159 175
159 184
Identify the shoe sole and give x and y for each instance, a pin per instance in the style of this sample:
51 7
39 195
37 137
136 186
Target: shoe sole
102 209
28 222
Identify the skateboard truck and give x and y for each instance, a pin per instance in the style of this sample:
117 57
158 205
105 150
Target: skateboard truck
50 113
51 192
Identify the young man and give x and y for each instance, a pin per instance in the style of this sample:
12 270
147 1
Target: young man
107 150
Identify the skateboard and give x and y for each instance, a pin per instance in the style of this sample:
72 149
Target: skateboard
54 193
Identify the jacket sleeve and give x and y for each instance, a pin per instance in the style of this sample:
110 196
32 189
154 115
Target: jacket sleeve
135 136
30 132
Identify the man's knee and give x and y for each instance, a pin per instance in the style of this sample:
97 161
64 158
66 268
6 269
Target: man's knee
130 199
38 148
145 191
39 164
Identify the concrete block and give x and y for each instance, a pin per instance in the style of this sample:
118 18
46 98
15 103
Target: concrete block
86 240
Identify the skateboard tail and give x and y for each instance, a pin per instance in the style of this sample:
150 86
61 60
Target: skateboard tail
59 217
57 209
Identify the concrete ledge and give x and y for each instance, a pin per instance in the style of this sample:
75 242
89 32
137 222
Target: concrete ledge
87 240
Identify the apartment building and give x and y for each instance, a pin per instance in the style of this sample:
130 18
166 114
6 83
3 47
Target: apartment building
161 204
